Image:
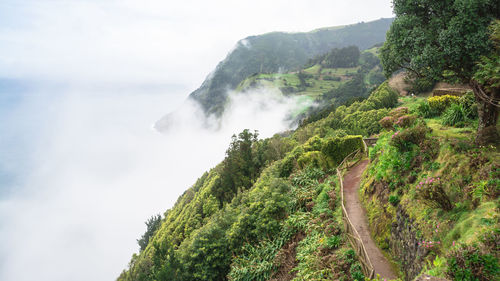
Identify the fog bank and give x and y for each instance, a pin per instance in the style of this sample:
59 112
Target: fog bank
96 170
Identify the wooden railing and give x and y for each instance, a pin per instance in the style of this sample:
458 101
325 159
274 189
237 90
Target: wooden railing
351 232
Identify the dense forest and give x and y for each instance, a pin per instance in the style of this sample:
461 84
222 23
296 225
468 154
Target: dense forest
271 209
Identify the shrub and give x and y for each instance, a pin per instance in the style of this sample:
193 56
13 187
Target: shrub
312 158
424 109
394 200
457 114
432 193
438 104
468 104
403 140
387 122
313 144
356 272
338 148
405 121
363 122
398 112
471 263
333 242
384 96
454 115
286 166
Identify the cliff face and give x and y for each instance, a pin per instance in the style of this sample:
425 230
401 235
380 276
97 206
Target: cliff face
278 52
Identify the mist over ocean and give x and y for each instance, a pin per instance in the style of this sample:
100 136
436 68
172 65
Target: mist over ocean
82 168
77 170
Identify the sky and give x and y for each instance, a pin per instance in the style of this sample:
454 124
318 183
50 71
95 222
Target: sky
82 83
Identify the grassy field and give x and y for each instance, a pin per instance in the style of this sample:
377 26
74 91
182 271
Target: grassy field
315 86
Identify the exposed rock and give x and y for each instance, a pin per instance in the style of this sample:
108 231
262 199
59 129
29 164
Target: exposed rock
404 245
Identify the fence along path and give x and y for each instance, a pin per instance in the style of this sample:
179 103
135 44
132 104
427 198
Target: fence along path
369 255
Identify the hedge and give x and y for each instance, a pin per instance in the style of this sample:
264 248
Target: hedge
336 149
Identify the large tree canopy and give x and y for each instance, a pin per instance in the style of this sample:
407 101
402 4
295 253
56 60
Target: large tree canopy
444 40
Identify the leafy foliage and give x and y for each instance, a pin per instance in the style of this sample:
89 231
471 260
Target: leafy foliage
152 224
444 40
404 140
488 70
439 104
431 191
429 37
455 115
471 263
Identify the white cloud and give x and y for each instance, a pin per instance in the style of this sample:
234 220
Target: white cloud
150 41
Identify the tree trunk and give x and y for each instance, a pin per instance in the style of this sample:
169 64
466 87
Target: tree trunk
487 109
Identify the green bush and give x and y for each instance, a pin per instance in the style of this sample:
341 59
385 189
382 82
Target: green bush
470 263
387 122
286 166
333 242
314 159
431 191
336 149
438 104
363 122
457 114
398 112
404 139
384 96
394 200
313 144
424 109
357 272
454 115
468 104
405 121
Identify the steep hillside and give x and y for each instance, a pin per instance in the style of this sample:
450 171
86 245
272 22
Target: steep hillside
278 52
269 211
432 196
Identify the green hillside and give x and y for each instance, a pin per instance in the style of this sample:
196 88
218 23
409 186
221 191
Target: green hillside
238 217
271 209
278 52
327 83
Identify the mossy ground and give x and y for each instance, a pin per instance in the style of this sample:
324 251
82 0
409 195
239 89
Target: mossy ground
468 174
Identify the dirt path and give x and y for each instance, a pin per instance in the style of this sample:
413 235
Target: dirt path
357 215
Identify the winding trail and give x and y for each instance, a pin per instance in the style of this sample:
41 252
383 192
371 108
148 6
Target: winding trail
357 215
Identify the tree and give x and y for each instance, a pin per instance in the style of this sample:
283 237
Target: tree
239 169
152 224
488 74
444 40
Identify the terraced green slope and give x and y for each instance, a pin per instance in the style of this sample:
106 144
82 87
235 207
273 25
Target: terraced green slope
275 52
